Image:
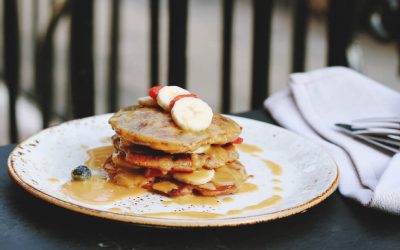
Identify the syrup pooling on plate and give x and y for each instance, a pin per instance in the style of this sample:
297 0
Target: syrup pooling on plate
249 148
276 169
193 200
94 191
53 180
207 215
263 204
228 199
115 209
247 187
97 156
185 214
276 181
253 150
99 190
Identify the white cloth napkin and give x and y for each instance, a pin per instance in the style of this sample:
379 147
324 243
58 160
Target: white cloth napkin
316 100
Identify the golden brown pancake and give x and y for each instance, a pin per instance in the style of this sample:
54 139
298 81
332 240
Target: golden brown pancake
150 149
227 180
154 128
130 155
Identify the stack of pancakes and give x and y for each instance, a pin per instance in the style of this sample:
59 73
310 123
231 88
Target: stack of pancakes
152 152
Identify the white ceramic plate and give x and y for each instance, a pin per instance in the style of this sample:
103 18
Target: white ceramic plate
307 175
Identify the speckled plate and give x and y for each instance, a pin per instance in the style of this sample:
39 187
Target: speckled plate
291 173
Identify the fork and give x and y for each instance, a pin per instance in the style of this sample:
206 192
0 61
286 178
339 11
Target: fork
383 132
394 119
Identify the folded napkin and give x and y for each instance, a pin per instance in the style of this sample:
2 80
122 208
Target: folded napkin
316 100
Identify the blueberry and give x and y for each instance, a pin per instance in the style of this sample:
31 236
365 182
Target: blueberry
81 173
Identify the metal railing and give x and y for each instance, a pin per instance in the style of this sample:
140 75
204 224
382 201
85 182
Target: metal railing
81 68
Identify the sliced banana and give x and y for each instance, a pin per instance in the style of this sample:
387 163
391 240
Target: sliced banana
191 113
197 177
167 93
208 186
201 149
147 101
165 186
228 175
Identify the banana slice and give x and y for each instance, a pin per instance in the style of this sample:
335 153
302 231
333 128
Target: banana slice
197 177
167 93
201 150
191 113
147 101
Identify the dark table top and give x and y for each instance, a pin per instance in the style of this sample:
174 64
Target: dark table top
27 222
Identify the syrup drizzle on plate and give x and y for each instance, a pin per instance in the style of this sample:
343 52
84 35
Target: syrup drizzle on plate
100 190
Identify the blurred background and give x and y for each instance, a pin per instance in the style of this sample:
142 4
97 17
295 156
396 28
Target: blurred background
45 65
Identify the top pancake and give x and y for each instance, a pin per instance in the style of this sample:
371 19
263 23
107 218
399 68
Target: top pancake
154 128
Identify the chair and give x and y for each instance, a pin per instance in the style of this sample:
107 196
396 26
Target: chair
81 65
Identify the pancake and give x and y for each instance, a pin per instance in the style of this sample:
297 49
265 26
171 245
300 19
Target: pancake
130 155
153 153
227 180
154 128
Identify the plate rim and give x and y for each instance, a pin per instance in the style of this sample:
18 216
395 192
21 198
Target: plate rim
170 222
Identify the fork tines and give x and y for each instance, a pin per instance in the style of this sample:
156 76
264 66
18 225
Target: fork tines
382 132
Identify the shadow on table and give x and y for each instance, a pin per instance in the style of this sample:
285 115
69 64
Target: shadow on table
332 221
